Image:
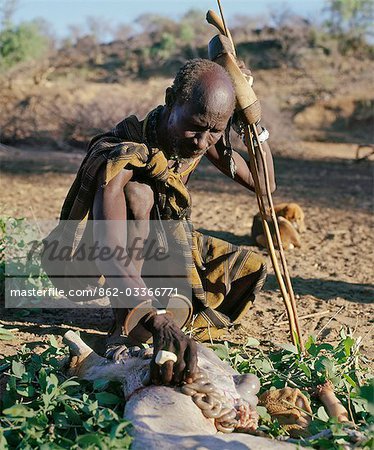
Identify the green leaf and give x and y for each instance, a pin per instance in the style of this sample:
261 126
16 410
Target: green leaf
119 429
10 395
43 379
26 391
263 365
73 416
324 365
18 369
52 380
3 442
53 341
89 439
311 340
350 380
367 393
40 422
4 366
252 342
348 344
314 349
238 360
69 383
61 420
46 399
263 413
322 414
360 405
19 411
106 398
305 369
100 384
222 351
326 346
289 348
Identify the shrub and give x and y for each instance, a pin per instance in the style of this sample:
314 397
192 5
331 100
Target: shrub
21 43
350 21
40 408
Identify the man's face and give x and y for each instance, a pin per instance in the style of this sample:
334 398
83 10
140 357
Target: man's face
199 123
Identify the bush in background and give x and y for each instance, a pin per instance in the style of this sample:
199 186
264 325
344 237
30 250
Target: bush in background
20 43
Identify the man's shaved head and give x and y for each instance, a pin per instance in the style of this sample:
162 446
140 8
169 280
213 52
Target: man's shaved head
198 108
199 77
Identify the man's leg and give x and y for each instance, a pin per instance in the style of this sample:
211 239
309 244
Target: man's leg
139 202
245 288
233 276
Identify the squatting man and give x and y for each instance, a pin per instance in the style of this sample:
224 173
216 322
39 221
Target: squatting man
138 172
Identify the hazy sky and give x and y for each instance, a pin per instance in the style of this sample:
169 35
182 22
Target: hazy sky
61 13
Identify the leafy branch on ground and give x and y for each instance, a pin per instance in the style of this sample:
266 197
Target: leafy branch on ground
20 267
41 408
285 366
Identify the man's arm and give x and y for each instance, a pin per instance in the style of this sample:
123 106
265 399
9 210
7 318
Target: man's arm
110 231
243 171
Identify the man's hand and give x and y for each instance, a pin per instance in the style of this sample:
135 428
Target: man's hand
167 336
245 71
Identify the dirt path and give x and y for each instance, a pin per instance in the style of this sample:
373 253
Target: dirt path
332 272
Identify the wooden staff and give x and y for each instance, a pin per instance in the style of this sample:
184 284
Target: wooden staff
249 109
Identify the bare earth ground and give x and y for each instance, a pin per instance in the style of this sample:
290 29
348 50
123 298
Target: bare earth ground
332 272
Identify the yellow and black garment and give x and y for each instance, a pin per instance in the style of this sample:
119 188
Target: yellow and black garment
224 277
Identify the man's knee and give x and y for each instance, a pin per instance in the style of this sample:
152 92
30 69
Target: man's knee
140 199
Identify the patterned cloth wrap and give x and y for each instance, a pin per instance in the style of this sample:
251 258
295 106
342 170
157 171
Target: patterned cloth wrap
214 266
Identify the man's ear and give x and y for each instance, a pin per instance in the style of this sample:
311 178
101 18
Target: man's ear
169 97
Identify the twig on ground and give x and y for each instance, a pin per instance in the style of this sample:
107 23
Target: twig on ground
329 321
36 221
350 406
354 435
313 416
307 316
367 333
280 319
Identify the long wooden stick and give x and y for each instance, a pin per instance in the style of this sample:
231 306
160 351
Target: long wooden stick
285 287
227 31
286 298
278 238
217 22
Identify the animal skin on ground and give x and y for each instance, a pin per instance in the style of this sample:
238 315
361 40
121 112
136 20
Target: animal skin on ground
162 416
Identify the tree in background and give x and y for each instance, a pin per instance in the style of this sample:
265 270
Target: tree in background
193 28
122 32
19 43
350 21
7 9
292 33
